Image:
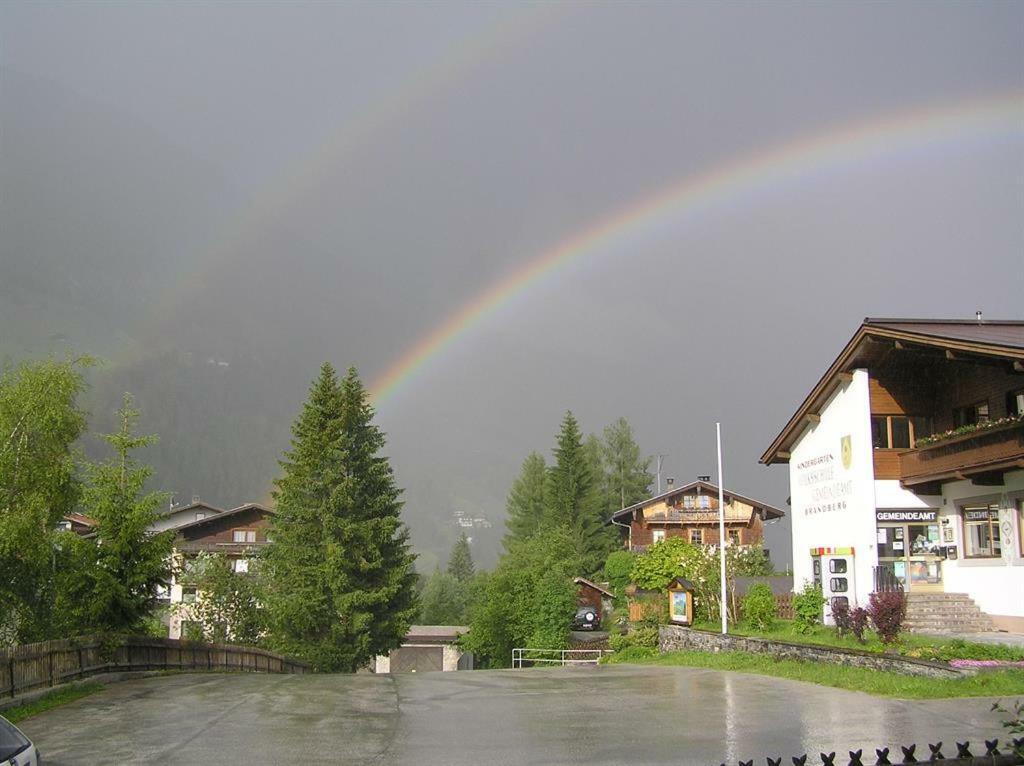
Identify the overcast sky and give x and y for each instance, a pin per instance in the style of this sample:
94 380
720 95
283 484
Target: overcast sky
331 181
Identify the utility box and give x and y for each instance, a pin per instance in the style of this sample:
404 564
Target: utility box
833 570
680 602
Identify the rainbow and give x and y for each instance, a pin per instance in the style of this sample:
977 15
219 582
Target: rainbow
345 141
795 161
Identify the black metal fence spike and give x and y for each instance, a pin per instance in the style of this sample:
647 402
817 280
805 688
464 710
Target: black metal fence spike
962 750
991 746
747 763
936 752
883 757
776 762
908 754
1018 743
800 761
855 757
828 759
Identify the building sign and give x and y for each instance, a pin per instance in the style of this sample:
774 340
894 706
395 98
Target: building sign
906 516
984 515
828 492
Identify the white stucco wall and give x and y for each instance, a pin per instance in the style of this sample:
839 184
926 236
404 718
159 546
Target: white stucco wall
996 585
833 505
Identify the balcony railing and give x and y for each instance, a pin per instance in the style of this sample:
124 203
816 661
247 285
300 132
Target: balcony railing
967 455
215 547
696 515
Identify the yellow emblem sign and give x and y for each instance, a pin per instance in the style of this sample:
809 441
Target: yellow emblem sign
846 450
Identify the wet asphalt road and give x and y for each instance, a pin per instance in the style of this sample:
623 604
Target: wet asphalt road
605 715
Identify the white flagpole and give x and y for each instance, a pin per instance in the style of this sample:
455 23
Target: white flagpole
721 529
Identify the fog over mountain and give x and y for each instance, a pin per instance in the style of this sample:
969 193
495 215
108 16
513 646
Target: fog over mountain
216 198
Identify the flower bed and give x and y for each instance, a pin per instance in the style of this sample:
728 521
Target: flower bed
971 430
986 664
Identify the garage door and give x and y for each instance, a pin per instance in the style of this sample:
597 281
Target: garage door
420 659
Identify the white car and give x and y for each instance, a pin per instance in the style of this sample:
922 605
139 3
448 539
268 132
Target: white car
15 747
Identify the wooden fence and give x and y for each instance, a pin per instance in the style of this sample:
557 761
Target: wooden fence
37 666
658 607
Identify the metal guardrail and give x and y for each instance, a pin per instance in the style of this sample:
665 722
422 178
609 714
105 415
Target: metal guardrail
564 657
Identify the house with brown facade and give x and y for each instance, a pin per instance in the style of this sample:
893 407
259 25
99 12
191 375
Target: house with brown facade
237 534
906 470
691 512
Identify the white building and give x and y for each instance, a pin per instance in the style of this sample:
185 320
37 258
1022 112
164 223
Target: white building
906 468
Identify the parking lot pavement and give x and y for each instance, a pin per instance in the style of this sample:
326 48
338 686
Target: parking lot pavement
603 715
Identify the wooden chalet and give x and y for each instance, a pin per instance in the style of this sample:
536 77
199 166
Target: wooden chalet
691 511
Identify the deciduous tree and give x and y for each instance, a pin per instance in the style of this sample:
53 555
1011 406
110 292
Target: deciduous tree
39 422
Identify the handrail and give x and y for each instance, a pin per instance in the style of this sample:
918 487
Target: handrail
562 659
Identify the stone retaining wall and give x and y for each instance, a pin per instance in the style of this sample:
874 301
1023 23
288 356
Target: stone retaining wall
672 637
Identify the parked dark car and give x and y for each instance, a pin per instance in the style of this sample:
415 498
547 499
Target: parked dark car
586 618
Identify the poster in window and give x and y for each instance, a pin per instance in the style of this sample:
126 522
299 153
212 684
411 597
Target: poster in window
947 534
678 606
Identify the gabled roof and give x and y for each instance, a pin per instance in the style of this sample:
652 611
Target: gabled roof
988 338
224 515
81 518
594 585
706 487
199 506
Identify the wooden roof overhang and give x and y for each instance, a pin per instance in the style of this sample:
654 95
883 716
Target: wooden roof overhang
875 335
766 511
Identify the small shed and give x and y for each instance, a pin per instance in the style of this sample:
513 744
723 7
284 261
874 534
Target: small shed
591 594
427 648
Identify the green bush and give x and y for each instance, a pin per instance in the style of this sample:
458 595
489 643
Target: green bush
759 607
807 606
646 637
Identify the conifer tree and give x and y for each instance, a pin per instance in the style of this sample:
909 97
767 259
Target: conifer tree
524 509
339 575
460 563
628 475
114 586
571 499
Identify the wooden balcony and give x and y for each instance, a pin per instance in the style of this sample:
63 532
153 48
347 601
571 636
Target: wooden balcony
698 516
229 548
967 456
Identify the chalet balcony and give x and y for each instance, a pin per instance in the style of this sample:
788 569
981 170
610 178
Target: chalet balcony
193 547
697 516
983 454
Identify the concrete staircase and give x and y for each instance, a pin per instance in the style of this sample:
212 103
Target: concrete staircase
945 613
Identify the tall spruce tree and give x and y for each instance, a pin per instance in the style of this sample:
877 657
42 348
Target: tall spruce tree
114 585
627 474
571 499
460 563
340 585
524 509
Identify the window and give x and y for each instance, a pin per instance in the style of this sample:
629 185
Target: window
898 431
879 432
243 535
688 501
705 501
188 594
64 526
981 531
696 536
240 565
734 536
200 516
971 414
1015 403
658 535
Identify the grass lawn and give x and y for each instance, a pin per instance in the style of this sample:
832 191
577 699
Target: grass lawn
1003 683
51 700
908 644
